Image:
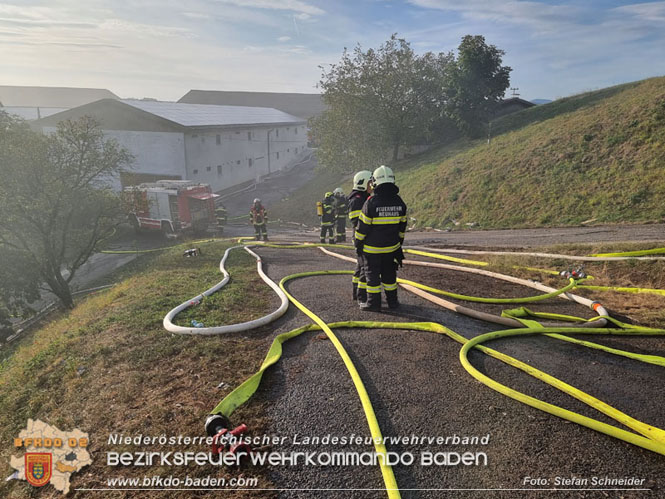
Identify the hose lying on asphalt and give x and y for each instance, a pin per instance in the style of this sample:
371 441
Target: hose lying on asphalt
643 435
647 436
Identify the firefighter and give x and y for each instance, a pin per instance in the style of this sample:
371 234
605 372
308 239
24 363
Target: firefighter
258 217
328 218
357 199
379 237
221 217
341 210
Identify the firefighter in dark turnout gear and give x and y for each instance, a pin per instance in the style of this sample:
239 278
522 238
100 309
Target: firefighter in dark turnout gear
340 214
357 199
328 218
258 217
379 238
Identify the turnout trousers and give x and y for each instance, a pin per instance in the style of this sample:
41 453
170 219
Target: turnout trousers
380 271
261 228
340 229
359 281
330 229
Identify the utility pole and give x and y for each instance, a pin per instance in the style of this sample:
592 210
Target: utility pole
515 89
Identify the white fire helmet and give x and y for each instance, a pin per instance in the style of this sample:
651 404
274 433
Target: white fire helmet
361 179
257 200
383 175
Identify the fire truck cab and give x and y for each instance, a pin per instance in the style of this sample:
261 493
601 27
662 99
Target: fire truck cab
171 206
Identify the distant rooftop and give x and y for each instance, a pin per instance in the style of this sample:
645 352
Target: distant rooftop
57 97
302 105
195 115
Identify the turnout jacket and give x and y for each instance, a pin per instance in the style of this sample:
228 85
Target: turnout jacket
340 207
328 206
382 221
356 201
258 215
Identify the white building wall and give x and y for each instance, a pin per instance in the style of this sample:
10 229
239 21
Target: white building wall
227 157
155 153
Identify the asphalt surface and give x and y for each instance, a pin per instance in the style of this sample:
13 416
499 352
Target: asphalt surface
419 388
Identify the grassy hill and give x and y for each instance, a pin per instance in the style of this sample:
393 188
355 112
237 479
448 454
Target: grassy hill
109 366
598 155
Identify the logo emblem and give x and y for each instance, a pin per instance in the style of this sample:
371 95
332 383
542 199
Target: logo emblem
38 468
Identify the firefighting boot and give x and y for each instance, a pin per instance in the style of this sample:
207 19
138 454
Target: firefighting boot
331 240
323 240
355 291
391 298
373 303
362 295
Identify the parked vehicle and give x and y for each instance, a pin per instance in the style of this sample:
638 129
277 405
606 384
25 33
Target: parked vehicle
172 207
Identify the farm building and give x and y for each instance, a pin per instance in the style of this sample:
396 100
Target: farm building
304 106
32 103
219 145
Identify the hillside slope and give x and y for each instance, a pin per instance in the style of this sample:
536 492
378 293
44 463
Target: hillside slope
598 155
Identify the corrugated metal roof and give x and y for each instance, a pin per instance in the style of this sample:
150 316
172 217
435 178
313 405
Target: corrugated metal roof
211 115
303 105
51 96
32 113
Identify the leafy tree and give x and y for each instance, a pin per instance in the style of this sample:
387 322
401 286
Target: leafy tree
379 100
478 82
55 206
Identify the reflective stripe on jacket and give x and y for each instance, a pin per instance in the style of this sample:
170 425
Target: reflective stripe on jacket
258 216
382 221
356 201
328 207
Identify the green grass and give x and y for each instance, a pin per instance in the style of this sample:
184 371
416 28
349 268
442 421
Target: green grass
109 365
594 156
598 155
301 205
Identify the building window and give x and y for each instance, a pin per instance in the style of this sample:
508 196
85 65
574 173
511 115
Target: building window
194 135
287 128
288 150
296 130
219 169
238 162
277 155
195 172
249 135
251 162
203 139
237 132
276 132
296 150
218 139
208 168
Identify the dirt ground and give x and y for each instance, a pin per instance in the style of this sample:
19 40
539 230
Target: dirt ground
419 388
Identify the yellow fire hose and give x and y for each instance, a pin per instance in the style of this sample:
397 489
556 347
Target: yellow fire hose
651 438
646 436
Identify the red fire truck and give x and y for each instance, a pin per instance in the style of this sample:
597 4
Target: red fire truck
171 206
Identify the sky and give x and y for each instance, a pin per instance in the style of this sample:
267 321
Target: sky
163 48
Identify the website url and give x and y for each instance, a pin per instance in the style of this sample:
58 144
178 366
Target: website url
169 482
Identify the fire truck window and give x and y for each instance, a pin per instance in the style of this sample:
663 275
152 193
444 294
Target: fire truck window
195 172
208 168
219 169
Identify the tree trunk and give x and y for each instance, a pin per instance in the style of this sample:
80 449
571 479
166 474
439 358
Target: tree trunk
395 151
60 288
